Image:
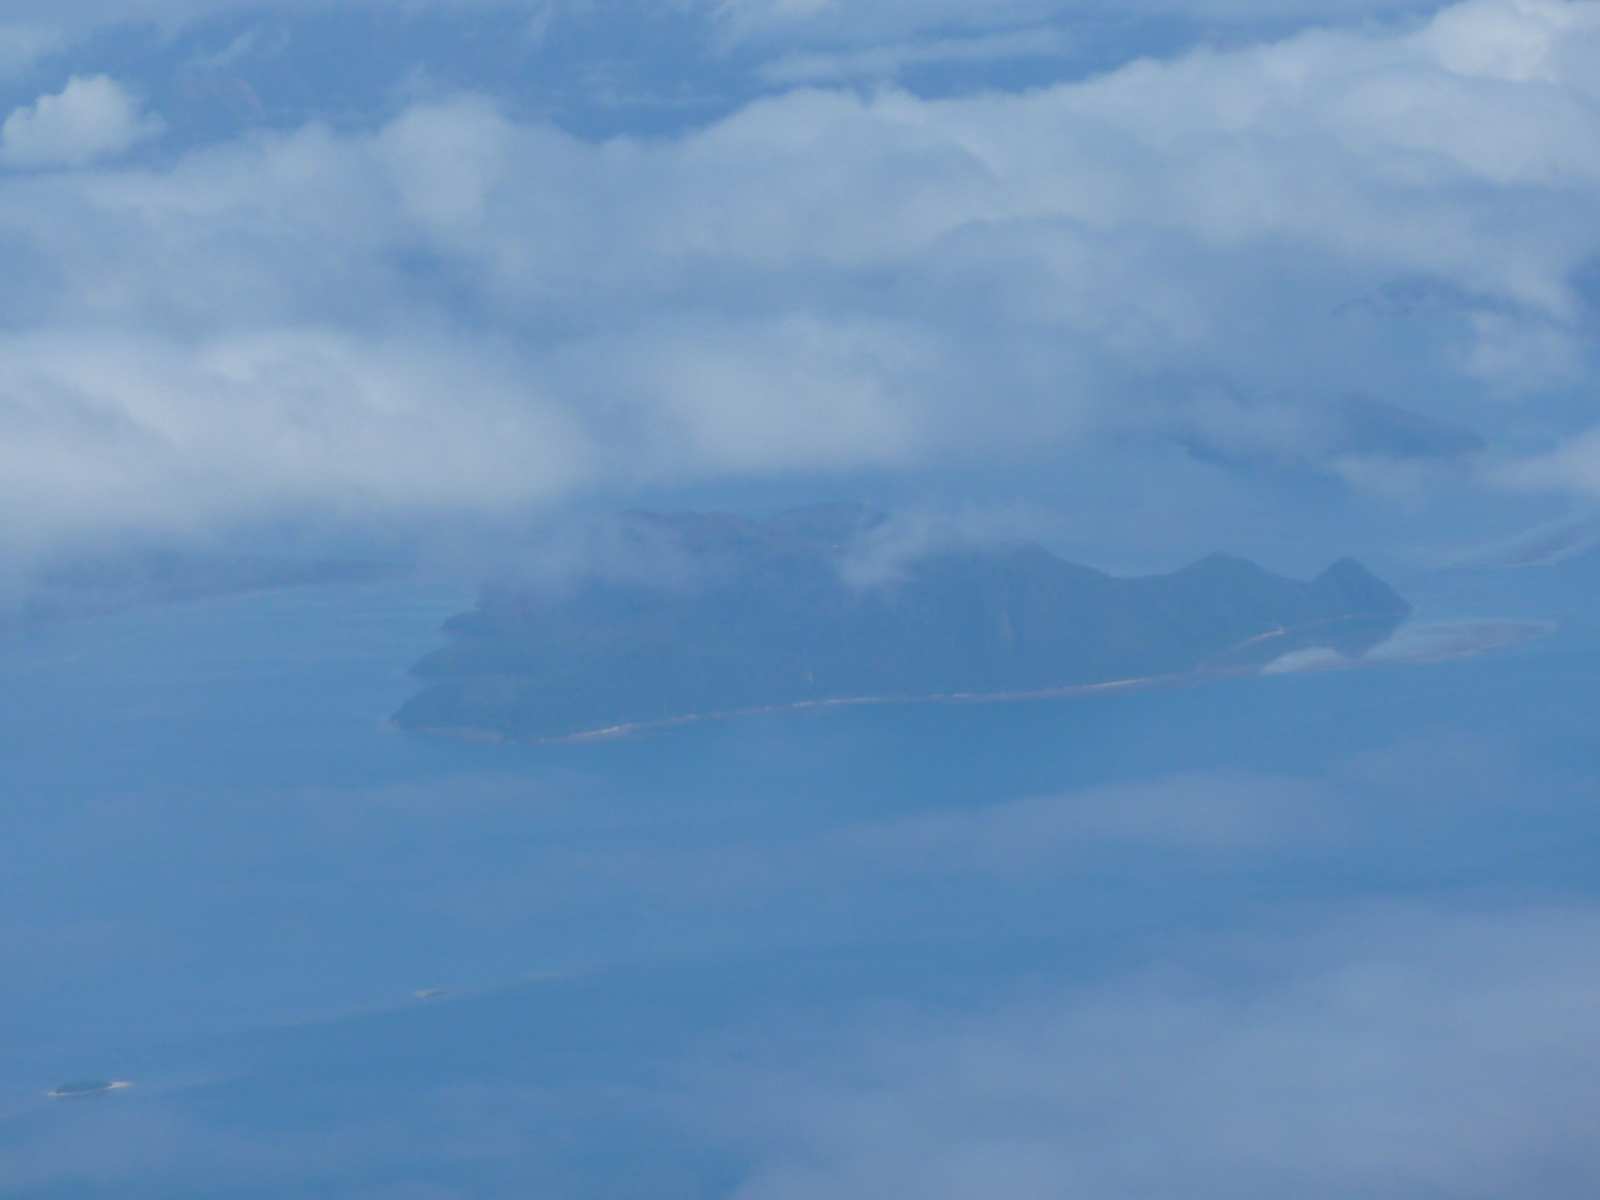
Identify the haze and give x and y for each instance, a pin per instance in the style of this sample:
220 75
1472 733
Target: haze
326 322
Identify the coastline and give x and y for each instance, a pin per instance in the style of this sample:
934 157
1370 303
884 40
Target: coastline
1431 643
1436 642
633 729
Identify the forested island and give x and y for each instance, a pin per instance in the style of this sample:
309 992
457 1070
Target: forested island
701 614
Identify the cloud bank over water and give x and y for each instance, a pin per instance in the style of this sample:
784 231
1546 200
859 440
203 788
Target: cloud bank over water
454 307
1407 1051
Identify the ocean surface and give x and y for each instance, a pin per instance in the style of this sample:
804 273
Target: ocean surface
775 956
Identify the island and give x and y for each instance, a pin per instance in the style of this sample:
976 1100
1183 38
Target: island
694 615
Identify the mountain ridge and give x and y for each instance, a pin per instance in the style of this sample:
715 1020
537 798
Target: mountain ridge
762 614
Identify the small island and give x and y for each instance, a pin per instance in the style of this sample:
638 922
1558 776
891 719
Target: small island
706 614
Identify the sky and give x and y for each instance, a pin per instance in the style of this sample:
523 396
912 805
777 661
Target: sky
377 275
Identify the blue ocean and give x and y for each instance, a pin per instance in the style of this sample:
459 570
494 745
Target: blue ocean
1265 936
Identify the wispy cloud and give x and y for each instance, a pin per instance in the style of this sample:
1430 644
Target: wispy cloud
887 62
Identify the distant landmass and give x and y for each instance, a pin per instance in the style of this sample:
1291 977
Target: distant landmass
735 615
1282 436
98 585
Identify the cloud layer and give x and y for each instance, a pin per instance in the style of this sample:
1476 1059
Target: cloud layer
458 310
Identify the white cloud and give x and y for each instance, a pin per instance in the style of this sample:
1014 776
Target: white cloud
444 159
823 280
91 117
1573 467
140 434
1404 1052
1519 41
756 396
